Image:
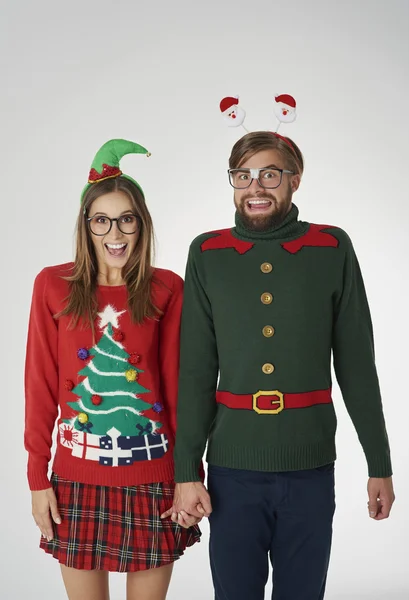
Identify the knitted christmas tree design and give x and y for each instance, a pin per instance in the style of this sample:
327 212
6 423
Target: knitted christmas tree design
109 396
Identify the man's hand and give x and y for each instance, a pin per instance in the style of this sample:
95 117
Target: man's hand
185 520
381 497
44 508
191 498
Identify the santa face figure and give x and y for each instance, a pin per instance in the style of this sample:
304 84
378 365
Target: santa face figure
284 112
234 116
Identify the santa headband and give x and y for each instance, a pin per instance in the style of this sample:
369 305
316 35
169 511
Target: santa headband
106 162
284 109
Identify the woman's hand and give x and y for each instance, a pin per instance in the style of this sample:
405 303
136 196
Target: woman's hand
44 506
185 520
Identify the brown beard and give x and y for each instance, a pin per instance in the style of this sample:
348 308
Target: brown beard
263 223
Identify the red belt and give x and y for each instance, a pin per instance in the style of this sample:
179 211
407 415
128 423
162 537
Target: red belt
271 403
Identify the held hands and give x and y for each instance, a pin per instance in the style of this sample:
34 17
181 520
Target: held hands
381 497
44 506
191 503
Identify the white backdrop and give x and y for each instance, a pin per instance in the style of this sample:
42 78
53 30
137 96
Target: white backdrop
75 74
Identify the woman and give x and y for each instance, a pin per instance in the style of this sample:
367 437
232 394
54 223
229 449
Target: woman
103 350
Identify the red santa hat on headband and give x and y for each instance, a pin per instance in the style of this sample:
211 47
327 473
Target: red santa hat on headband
286 99
227 103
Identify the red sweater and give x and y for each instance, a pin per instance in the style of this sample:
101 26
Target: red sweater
115 399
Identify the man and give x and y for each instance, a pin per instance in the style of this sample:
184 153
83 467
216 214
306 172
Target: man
265 303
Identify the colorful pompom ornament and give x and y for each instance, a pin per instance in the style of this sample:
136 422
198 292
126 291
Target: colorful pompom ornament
118 335
131 375
157 407
96 399
83 353
82 418
69 385
134 358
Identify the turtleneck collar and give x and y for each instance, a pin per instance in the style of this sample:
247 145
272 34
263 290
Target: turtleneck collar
290 227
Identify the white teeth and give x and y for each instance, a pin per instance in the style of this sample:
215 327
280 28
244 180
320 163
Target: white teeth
259 202
116 246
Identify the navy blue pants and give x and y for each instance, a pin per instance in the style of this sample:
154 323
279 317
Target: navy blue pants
282 517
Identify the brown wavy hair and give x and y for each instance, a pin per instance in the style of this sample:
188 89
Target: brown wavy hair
256 141
81 302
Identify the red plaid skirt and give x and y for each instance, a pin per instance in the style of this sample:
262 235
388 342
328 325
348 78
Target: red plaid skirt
116 528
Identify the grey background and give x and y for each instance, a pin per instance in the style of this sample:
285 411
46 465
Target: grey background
75 74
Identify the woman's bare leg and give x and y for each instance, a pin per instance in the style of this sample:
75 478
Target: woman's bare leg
152 584
85 585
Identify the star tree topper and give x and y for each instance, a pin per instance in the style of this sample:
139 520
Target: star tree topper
109 315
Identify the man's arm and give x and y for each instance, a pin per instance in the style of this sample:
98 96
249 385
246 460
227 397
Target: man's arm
354 363
199 367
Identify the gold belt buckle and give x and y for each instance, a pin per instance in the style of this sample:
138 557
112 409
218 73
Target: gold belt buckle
269 411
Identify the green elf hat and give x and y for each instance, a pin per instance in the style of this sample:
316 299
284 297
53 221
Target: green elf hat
106 162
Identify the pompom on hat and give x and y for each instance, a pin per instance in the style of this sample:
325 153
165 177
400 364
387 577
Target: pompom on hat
106 164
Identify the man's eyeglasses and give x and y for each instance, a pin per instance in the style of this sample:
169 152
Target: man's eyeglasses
102 225
241 179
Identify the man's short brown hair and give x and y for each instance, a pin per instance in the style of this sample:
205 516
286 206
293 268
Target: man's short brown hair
256 141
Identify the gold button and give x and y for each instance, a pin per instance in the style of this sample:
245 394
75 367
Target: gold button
266 267
268 331
266 298
268 368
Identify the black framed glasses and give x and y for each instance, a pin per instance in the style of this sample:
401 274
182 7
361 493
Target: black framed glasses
268 178
102 225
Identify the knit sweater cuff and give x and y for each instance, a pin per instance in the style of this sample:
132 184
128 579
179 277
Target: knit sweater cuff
186 471
38 478
379 465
